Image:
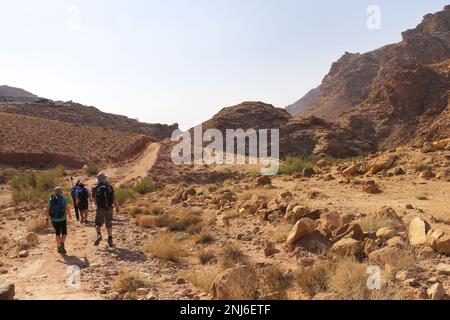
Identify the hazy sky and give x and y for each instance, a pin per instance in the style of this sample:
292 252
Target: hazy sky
182 60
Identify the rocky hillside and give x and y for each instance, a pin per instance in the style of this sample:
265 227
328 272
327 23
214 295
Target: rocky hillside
15 94
395 95
33 141
78 114
303 103
297 136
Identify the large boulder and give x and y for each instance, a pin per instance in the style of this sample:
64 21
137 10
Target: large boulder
352 230
7 291
238 283
439 241
383 162
417 232
304 227
293 214
331 220
348 247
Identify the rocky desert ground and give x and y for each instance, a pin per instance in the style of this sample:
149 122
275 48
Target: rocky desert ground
359 209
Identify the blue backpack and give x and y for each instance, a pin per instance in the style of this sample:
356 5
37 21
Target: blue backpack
57 207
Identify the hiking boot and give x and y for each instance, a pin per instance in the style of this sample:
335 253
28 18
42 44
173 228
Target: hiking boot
110 242
59 249
97 241
62 249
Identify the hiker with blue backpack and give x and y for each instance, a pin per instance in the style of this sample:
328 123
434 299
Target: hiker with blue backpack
58 213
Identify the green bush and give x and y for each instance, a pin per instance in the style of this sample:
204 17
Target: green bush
91 169
144 186
35 186
294 164
124 195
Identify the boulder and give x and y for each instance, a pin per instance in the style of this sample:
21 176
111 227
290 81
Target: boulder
254 204
308 172
371 188
387 212
436 292
351 230
188 193
348 247
296 213
331 220
235 284
443 245
7 291
427 174
386 233
386 255
383 162
441 145
322 163
264 181
417 232
302 228
443 269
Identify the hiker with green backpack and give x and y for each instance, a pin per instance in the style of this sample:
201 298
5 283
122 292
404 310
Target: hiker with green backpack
58 213
105 199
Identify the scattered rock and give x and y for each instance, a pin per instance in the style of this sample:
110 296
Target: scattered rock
7 291
270 250
348 247
264 181
352 230
443 269
371 188
383 162
308 172
302 228
417 232
436 292
180 281
235 284
23 254
386 233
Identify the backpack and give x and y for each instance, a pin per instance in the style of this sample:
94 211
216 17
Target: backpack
74 191
57 207
83 196
104 196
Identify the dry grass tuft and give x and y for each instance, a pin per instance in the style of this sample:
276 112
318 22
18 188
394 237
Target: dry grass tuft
165 247
206 257
129 282
37 225
202 279
230 256
280 233
204 237
276 283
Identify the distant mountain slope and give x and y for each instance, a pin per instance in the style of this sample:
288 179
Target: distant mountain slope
15 94
75 113
40 142
297 107
354 77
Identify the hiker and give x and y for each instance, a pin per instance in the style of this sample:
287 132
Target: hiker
82 201
73 193
105 200
58 212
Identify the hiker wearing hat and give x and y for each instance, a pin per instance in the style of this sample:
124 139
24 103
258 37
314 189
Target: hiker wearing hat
103 194
58 212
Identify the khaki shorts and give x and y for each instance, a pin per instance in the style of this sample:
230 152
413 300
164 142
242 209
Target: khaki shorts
104 216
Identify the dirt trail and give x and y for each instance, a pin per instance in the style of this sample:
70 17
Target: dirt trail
44 273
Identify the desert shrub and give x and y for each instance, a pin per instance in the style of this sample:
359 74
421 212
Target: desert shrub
230 256
294 164
165 247
280 233
124 195
36 225
202 279
206 257
145 186
91 169
30 241
184 220
145 221
204 237
130 282
276 282
349 280
315 279
35 186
